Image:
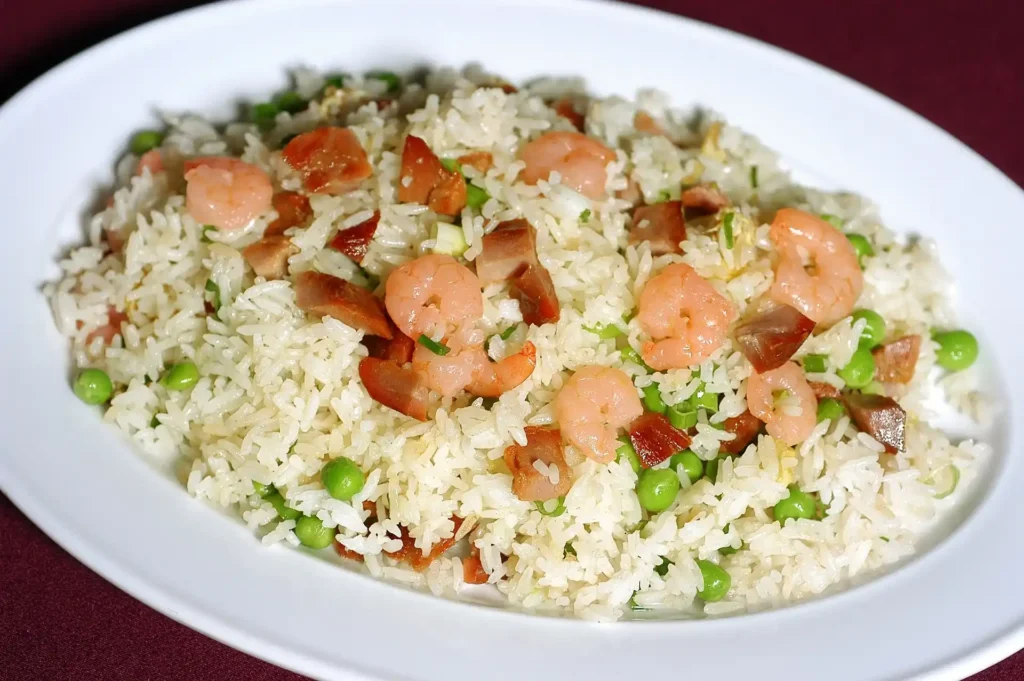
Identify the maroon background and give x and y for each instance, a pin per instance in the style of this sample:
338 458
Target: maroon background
960 64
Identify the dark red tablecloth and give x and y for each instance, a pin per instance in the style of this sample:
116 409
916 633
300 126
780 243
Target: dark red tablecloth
959 63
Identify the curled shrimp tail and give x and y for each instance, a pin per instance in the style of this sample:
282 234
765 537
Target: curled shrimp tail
492 379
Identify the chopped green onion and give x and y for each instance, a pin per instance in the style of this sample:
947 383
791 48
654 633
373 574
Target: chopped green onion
604 331
711 470
205 237
585 216
682 416
451 165
635 607
546 509
702 399
290 101
832 220
451 240
433 346
264 114
475 196
815 364
944 481
630 355
392 79
262 490
664 195
507 333
753 176
873 388
212 287
727 229
652 399
335 80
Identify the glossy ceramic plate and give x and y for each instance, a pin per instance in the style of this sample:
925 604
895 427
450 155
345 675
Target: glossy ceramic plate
953 610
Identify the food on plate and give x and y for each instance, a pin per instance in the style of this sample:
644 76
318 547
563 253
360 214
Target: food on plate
601 355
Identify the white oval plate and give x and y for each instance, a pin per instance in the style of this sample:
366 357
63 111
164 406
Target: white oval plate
949 612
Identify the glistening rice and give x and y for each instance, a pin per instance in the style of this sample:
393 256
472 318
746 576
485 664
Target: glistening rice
280 395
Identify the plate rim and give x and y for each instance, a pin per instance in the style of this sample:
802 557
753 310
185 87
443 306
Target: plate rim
995 649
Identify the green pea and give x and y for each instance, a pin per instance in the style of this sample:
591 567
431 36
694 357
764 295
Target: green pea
874 330
312 533
264 114
691 463
392 79
831 409
261 489
717 581
626 451
342 478
652 398
797 505
862 246
957 349
93 386
860 370
336 80
475 196
657 488
290 101
181 376
145 140
277 501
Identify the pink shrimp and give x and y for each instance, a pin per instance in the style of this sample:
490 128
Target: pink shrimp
826 288
434 295
592 405
226 192
151 161
771 397
686 317
471 369
578 159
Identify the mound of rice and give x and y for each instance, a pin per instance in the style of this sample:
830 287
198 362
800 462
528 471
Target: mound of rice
279 393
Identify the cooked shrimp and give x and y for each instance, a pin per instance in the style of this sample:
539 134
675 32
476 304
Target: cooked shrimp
445 374
225 192
826 288
592 405
772 396
433 295
685 316
471 369
579 160
491 379
151 161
